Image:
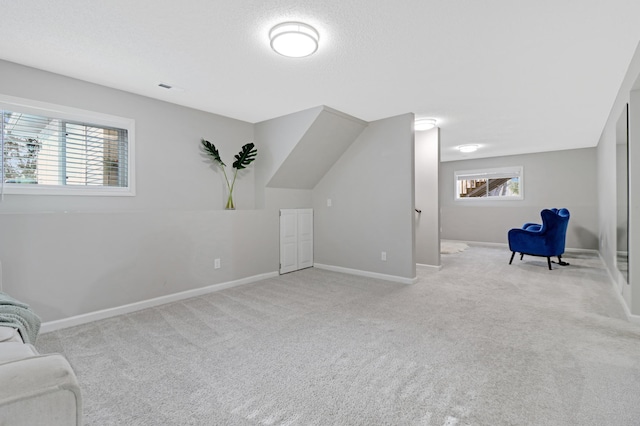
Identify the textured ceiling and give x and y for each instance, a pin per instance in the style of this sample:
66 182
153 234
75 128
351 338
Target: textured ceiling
512 76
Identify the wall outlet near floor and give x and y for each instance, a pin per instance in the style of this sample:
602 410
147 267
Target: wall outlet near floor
383 256
216 264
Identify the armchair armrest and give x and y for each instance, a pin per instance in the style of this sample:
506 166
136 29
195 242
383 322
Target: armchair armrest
532 226
523 239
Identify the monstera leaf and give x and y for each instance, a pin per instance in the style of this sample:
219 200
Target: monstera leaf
245 157
212 151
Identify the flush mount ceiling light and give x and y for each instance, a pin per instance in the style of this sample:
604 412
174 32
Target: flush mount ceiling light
425 124
468 148
294 39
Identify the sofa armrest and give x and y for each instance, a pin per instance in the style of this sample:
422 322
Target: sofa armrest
40 390
9 334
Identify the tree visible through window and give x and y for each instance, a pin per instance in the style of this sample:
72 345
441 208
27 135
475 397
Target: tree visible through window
21 159
40 150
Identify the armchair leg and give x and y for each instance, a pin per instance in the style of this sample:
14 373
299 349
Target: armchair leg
521 256
562 262
512 254
549 262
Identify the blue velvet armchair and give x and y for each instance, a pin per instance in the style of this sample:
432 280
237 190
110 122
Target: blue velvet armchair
546 239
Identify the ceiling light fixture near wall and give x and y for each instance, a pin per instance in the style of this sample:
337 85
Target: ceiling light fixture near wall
468 148
424 124
294 39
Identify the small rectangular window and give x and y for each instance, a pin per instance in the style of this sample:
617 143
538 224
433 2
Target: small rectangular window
49 149
497 184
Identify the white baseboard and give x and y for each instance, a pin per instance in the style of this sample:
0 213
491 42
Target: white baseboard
506 246
614 285
432 267
149 303
368 274
631 317
479 243
582 250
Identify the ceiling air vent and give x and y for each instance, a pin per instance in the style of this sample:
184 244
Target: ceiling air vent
165 86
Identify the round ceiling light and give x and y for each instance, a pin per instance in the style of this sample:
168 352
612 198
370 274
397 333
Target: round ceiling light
468 148
294 39
424 124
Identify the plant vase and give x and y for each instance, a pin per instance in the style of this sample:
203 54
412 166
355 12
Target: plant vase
230 205
242 160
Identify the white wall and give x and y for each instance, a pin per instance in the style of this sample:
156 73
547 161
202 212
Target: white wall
551 179
372 192
69 255
427 153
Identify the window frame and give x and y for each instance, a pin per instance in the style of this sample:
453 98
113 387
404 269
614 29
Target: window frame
490 173
73 115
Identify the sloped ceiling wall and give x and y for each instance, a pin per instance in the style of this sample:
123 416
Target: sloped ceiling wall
327 138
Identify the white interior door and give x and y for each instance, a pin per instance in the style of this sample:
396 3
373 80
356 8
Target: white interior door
296 239
305 238
288 240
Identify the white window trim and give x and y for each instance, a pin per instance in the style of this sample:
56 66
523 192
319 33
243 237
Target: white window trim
29 106
489 173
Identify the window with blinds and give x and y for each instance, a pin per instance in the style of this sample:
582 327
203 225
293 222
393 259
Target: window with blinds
57 153
498 184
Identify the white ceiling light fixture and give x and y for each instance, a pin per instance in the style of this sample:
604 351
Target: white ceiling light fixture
468 148
425 124
294 39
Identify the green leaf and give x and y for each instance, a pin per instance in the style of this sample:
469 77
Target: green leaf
212 151
246 156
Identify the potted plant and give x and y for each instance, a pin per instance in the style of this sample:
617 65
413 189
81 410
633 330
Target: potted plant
246 155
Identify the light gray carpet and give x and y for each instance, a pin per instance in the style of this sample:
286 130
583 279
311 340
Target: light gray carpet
478 343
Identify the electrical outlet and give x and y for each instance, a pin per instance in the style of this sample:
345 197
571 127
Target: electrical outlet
216 264
329 203
383 256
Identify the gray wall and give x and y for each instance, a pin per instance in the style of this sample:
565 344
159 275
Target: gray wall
69 255
372 191
622 178
551 179
427 153
607 188
66 264
633 295
325 140
278 137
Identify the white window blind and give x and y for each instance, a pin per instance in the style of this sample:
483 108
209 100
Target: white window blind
54 152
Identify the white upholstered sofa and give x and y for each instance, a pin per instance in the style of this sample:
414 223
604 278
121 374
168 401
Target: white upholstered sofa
35 389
